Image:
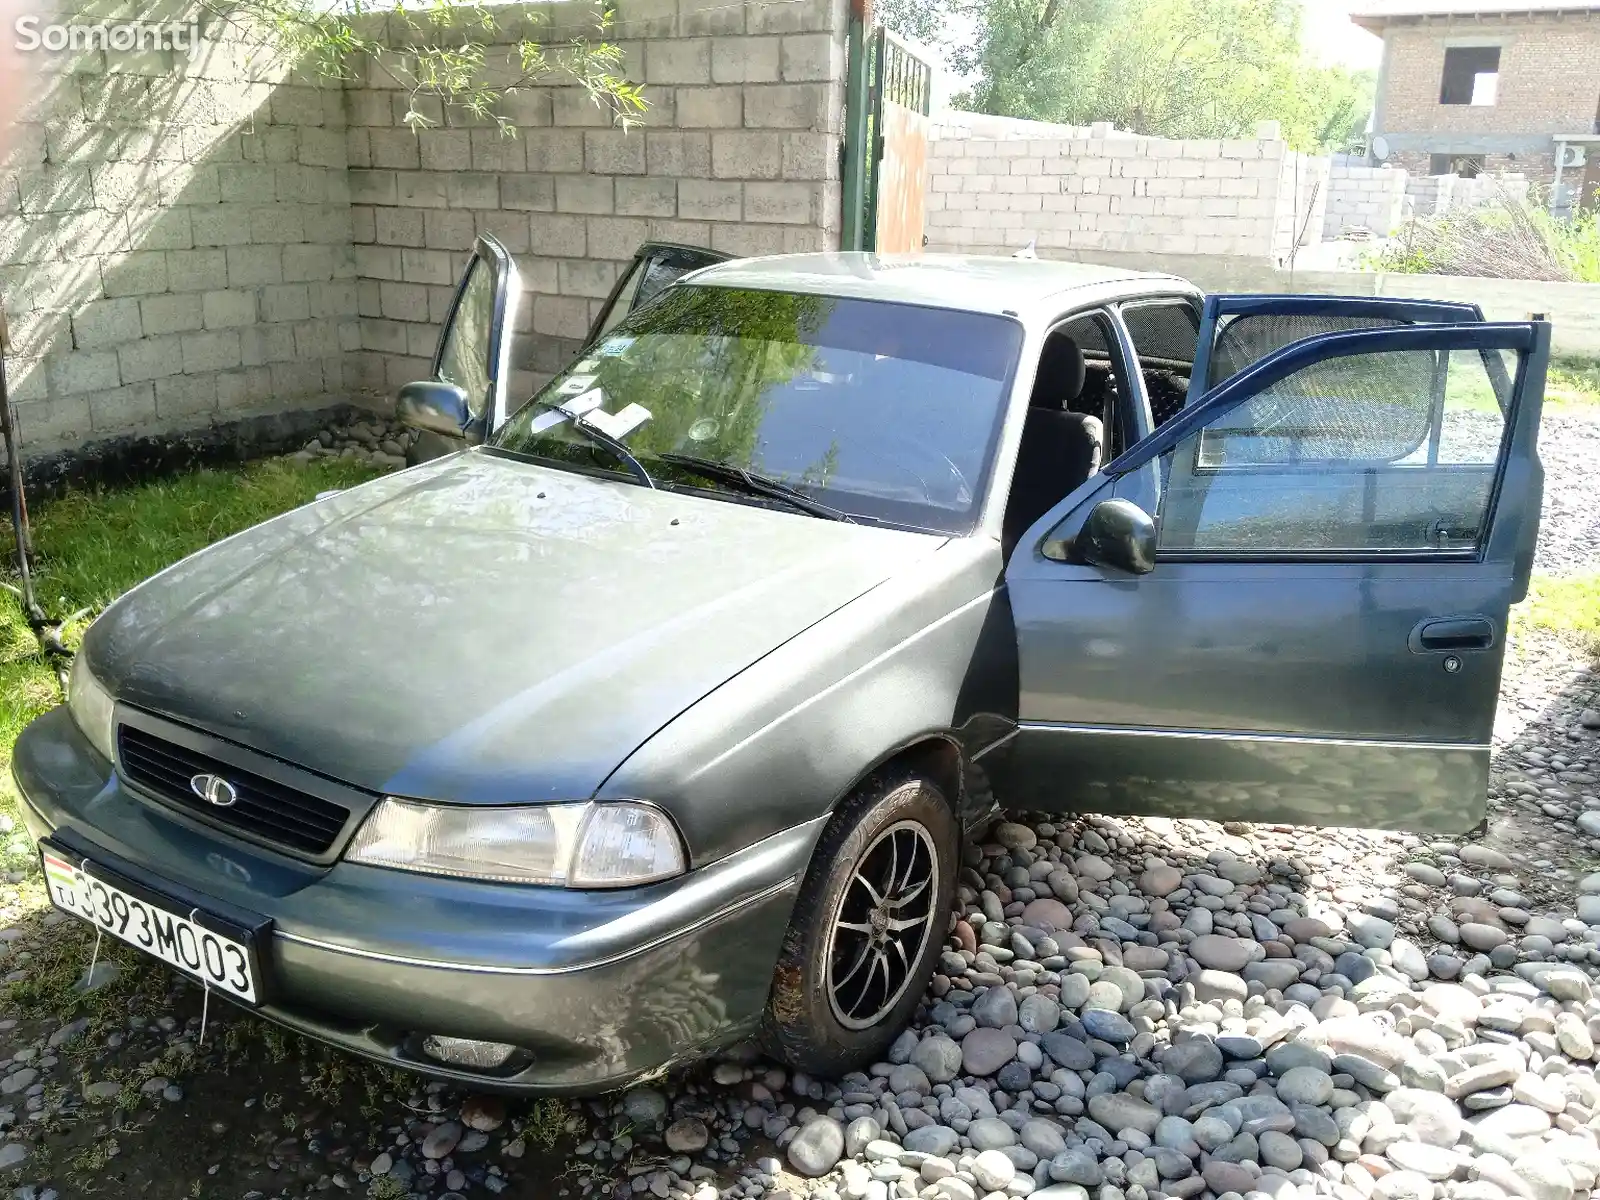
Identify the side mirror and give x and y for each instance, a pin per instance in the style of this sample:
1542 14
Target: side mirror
436 407
1119 534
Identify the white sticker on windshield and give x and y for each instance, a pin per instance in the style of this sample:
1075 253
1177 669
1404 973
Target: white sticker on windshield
587 364
620 424
576 384
613 347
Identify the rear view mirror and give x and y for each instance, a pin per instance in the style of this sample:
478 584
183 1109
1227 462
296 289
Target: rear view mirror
1121 535
436 407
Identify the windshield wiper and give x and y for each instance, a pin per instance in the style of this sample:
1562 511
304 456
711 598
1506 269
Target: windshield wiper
600 438
755 485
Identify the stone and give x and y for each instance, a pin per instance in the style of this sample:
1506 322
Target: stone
938 1058
1078 1165
1305 1085
995 1009
1544 1176
817 1148
993 1170
688 1135
1196 1060
1014 837
1214 952
1038 1014
483 1113
1430 1117
1371 932
1161 881
1224 1177
1478 936
645 1107
937 1140
441 1140
1431 1162
985 1051
1118 1111
990 1133
1047 913
13 1154
1103 1024
1280 1150
1218 987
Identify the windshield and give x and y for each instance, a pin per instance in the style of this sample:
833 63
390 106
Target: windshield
887 412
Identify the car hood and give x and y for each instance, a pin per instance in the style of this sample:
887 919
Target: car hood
480 629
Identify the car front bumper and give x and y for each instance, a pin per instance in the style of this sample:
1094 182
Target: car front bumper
596 989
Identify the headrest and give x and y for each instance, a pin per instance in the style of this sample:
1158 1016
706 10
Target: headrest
1061 373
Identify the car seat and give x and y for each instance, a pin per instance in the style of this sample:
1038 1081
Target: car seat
1060 449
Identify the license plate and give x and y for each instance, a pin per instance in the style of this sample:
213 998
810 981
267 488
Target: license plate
223 962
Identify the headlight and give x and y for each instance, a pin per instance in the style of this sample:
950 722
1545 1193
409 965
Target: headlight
91 705
576 845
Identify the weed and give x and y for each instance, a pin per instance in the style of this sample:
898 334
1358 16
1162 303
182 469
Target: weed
386 1187
547 1121
1566 605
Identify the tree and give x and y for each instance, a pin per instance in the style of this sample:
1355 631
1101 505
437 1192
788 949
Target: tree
1170 68
463 54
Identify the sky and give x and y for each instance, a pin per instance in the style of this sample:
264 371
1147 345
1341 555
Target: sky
1336 40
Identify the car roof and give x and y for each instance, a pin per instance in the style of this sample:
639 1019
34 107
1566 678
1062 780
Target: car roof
971 282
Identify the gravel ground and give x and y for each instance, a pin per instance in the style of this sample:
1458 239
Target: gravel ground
1569 529
1124 1009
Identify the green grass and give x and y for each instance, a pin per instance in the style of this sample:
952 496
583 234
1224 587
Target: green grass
1567 605
1572 381
90 547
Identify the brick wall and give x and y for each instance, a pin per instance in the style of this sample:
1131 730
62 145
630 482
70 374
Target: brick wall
190 241
739 151
1549 83
1370 198
1549 76
174 244
1115 194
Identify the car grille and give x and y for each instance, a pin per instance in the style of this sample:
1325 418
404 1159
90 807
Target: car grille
267 810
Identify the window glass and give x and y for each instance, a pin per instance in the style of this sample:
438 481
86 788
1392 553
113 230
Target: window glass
1393 451
1243 341
1164 337
465 359
888 412
1163 331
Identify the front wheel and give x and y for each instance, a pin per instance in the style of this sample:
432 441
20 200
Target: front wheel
867 926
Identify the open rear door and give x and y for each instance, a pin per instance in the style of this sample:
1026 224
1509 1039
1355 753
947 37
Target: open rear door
1340 529
656 265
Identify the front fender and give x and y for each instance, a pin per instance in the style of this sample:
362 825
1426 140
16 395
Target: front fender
929 652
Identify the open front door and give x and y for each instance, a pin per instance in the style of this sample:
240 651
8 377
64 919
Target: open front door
1340 529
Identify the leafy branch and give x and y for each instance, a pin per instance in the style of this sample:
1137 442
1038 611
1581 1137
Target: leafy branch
460 53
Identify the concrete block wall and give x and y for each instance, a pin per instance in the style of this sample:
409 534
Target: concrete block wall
1117 194
1433 195
739 151
1302 204
174 244
1364 197
190 241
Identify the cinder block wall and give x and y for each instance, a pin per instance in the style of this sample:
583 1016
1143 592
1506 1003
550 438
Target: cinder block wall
739 151
174 245
184 242
1116 194
1371 198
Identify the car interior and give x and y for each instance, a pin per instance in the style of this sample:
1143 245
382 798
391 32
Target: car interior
1077 420
1073 423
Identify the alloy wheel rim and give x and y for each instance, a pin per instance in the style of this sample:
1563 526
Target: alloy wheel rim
881 924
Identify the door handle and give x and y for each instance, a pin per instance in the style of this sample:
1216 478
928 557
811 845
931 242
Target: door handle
1455 633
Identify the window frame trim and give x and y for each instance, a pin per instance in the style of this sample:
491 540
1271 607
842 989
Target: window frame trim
1521 337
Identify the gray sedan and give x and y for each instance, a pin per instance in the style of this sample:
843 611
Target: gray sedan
651 718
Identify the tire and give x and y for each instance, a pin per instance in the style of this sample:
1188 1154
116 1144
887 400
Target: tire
897 821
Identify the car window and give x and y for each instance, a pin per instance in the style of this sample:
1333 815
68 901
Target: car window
1245 339
1164 334
887 411
1393 451
464 358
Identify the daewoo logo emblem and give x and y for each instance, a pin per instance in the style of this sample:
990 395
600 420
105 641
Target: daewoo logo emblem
213 789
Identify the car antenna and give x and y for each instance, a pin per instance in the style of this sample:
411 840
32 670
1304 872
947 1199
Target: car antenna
1029 250
46 631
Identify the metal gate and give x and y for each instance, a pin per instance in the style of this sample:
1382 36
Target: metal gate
889 96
